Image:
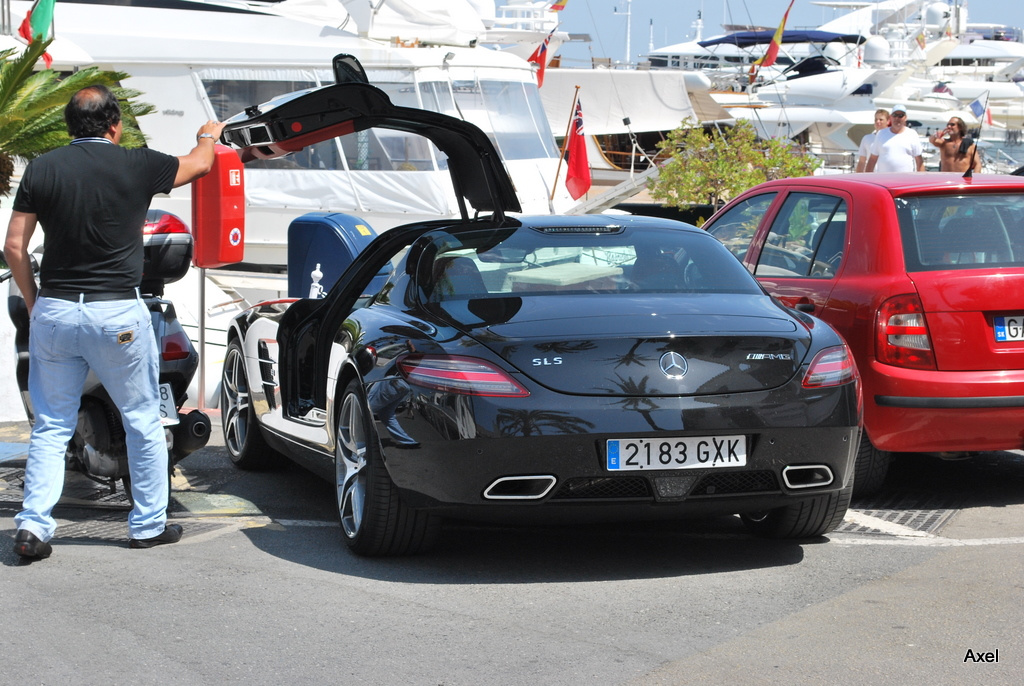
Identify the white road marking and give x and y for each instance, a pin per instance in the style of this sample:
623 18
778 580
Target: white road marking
936 541
307 523
865 520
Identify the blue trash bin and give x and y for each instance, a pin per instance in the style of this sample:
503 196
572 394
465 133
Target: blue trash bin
330 239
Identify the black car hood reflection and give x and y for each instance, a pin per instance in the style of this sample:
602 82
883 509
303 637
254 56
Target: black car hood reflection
614 345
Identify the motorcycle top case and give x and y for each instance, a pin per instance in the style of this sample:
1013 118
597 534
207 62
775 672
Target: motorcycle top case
166 248
330 239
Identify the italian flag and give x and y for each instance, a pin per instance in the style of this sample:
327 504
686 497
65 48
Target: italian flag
38 25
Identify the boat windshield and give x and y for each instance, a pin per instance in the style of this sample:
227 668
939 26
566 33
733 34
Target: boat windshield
510 112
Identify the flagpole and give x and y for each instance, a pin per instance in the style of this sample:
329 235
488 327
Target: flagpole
565 143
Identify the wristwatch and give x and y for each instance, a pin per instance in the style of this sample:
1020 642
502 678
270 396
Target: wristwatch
206 135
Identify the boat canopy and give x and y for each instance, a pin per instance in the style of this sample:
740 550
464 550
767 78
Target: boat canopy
746 39
294 121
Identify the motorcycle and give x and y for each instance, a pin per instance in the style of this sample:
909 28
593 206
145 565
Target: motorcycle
98 448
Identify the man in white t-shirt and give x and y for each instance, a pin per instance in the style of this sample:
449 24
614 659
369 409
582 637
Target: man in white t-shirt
864 151
897 148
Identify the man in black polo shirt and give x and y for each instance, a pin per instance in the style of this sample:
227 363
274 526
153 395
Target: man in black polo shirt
90 198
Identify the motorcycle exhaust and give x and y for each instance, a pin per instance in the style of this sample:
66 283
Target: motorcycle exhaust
190 434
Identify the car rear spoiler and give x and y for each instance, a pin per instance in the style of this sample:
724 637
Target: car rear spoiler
297 120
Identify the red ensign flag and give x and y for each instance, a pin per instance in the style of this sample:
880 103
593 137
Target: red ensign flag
577 178
540 58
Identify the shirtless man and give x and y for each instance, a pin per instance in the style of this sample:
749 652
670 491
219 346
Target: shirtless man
957 152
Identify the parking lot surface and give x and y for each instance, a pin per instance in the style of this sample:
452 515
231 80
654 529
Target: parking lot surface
922 583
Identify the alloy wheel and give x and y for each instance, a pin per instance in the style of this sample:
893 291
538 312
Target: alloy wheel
234 402
350 461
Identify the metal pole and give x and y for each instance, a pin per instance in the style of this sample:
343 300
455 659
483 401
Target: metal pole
565 144
202 338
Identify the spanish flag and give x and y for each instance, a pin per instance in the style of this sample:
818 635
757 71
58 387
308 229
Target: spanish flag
773 47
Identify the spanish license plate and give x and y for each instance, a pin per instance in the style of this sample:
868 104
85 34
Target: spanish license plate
1010 328
691 452
168 412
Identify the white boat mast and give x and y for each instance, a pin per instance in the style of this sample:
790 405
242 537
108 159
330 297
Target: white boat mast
629 27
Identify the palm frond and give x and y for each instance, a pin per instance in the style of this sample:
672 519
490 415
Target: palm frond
32 104
16 71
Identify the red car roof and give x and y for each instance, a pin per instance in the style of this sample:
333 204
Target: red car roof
907 183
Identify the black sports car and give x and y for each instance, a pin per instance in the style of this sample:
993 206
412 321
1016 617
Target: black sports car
536 368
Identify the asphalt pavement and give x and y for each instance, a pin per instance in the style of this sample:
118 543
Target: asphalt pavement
920 585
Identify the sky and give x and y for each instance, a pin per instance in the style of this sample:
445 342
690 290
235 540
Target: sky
672 21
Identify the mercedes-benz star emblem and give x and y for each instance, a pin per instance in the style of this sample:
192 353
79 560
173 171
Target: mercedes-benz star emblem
674 365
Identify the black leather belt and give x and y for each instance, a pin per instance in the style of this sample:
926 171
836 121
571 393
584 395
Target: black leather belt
100 296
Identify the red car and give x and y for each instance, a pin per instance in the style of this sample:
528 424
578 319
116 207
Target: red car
923 274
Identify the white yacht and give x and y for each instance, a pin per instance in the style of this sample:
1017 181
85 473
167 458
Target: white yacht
827 83
198 60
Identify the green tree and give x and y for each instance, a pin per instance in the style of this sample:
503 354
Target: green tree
709 166
32 107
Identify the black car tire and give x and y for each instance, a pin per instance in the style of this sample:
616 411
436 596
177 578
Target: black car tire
374 520
242 436
806 519
872 468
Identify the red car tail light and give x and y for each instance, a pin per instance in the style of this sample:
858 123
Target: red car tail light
831 367
901 334
463 375
174 346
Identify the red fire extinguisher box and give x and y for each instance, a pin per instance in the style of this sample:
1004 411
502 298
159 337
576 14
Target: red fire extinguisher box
218 212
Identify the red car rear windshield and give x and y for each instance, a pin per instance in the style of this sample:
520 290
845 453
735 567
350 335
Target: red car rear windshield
962 231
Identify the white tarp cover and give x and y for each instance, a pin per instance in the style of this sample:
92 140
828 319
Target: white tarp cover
329 12
426 194
451 22
654 100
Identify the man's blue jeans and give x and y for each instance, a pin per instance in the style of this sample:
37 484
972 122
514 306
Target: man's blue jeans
114 339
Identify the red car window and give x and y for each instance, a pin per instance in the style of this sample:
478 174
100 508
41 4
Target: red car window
807 237
737 226
962 232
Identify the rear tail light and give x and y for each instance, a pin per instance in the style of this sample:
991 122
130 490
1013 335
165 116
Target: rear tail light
163 222
175 346
831 367
463 375
902 337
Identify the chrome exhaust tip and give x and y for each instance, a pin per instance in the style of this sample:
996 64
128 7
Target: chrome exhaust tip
520 487
807 476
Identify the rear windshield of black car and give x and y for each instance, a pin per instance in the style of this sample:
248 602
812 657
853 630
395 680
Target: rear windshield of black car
537 261
962 231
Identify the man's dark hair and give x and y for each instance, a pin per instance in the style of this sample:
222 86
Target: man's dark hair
91 112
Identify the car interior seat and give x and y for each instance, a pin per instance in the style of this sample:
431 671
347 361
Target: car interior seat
456 277
978 239
657 271
831 242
